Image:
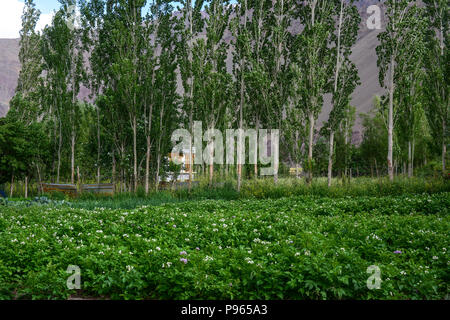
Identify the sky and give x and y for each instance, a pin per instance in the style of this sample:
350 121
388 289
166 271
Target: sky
11 13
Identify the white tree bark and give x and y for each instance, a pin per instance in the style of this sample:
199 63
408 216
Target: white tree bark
72 158
391 120
330 158
26 186
409 159
241 107
310 145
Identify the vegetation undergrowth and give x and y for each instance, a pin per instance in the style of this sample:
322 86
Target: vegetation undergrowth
303 247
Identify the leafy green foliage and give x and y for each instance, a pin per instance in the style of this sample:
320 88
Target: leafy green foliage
291 248
21 147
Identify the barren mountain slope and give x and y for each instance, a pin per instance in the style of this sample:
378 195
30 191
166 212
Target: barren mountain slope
9 71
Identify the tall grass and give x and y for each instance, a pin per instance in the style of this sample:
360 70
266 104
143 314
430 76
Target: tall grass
262 189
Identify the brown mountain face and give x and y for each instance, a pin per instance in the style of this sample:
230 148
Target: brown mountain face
9 71
364 56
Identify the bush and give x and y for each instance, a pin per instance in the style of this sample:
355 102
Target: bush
431 169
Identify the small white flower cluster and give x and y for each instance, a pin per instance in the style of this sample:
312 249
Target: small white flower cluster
373 236
208 258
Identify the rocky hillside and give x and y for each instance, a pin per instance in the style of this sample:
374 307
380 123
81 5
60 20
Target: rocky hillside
9 71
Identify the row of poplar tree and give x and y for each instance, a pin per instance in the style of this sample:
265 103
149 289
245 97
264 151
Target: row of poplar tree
151 67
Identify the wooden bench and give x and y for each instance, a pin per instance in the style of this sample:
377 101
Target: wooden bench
68 189
102 188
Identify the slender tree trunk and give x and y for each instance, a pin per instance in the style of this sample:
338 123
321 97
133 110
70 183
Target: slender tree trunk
191 163
149 128
278 68
444 147
330 158
73 133
135 175
444 127
412 156
346 141
211 165
26 186
147 165
239 168
409 159
241 107
55 137
191 89
391 120
256 156
158 157
121 180
59 151
72 158
336 76
98 146
158 161
39 177
78 178
11 187
310 146
113 178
